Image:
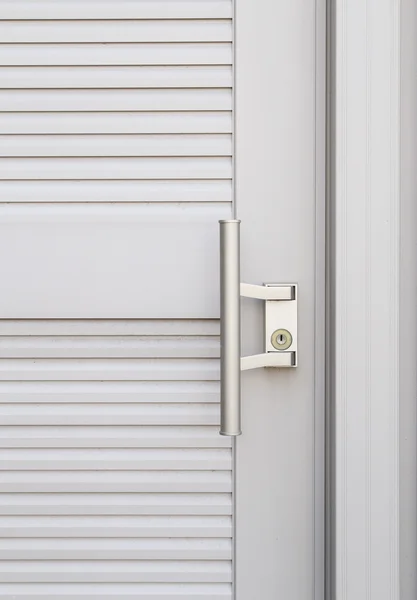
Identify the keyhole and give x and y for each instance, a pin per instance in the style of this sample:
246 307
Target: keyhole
281 339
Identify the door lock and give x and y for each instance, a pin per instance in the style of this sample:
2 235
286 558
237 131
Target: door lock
281 339
280 334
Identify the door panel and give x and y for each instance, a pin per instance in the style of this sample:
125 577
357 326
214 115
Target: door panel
120 150
116 166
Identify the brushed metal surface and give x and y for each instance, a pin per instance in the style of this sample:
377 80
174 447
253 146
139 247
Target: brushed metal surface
230 327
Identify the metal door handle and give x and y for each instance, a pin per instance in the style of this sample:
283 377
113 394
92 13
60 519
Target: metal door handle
280 327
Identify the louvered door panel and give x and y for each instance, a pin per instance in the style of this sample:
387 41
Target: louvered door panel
109 114
115 165
114 482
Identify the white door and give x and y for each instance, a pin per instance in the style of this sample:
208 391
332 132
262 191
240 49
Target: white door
128 129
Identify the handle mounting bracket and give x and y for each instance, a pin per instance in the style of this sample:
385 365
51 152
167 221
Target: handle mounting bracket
280 330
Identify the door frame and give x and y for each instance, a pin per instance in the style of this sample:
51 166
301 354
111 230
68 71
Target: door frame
364 263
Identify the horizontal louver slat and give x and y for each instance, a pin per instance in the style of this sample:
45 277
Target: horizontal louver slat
115 526
115 54
108 369
116 191
107 77
116 504
109 346
95 571
116 459
109 392
143 414
112 591
111 436
115 100
123 9
112 327
116 122
77 31
116 549
123 481
115 145
116 168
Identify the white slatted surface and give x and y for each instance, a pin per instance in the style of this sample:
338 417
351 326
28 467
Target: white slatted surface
115 134
113 102
114 481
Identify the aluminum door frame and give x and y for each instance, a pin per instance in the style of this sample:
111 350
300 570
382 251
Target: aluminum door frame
365 269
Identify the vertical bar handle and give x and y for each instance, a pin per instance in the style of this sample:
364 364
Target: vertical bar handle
230 327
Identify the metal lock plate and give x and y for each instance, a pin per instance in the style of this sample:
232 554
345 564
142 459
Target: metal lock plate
280 325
